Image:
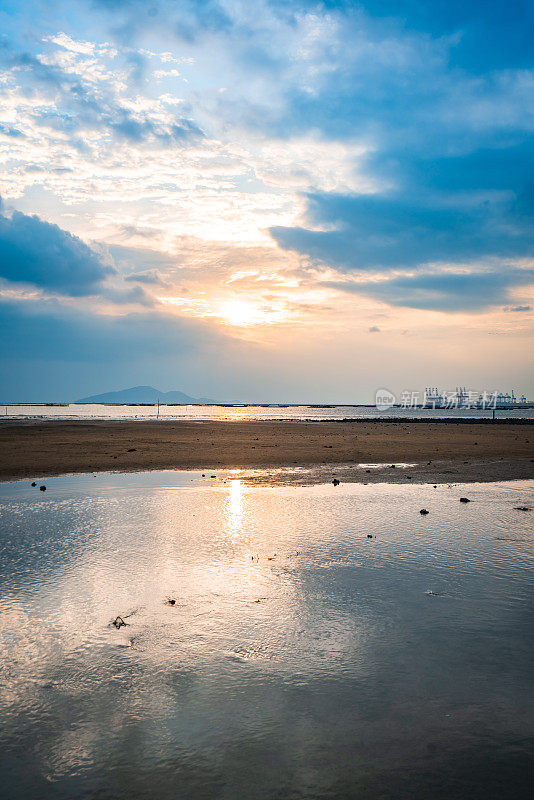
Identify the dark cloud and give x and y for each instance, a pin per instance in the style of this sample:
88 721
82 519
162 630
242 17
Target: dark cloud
50 332
51 352
452 210
37 252
519 309
488 35
457 209
443 291
149 277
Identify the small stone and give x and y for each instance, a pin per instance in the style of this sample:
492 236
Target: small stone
132 449
42 488
369 535
424 511
522 508
34 484
464 500
335 482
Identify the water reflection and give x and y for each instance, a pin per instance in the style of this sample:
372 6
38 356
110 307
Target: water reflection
235 505
300 658
247 413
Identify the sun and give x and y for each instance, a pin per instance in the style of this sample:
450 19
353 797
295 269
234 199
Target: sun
243 312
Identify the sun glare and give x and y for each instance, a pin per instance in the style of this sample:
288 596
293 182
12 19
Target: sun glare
243 312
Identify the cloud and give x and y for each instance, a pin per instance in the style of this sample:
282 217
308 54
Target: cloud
86 90
374 329
188 20
55 353
519 309
486 35
37 252
420 225
149 277
392 150
453 211
442 291
51 332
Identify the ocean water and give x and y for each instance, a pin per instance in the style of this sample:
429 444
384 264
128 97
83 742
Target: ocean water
249 412
300 659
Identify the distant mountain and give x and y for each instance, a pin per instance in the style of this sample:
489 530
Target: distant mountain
145 394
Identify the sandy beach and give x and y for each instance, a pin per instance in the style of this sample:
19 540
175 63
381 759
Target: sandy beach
437 452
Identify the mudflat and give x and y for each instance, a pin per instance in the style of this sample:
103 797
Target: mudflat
357 450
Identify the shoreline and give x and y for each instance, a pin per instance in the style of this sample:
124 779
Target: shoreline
437 451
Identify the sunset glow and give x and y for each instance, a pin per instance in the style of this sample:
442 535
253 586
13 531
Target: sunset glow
181 200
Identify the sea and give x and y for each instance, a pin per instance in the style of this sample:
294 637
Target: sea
184 637
248 412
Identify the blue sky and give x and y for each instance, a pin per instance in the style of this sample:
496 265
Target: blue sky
268 201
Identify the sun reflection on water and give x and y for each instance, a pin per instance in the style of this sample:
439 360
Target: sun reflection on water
284 611
235 510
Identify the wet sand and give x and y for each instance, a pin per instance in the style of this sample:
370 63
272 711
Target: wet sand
436 452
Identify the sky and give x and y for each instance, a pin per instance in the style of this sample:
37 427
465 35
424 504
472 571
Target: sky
265 201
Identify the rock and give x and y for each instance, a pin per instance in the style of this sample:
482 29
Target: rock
522 508
132 449
171 601
34 484
368 470
424 511
369 535
42 488
335 482
392 466
464 500
118 622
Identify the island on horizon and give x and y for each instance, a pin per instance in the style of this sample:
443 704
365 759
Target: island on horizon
145 395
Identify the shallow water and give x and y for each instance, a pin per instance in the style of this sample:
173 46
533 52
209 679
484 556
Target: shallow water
248 412
301 658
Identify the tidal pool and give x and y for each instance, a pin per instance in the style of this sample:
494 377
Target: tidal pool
300 658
